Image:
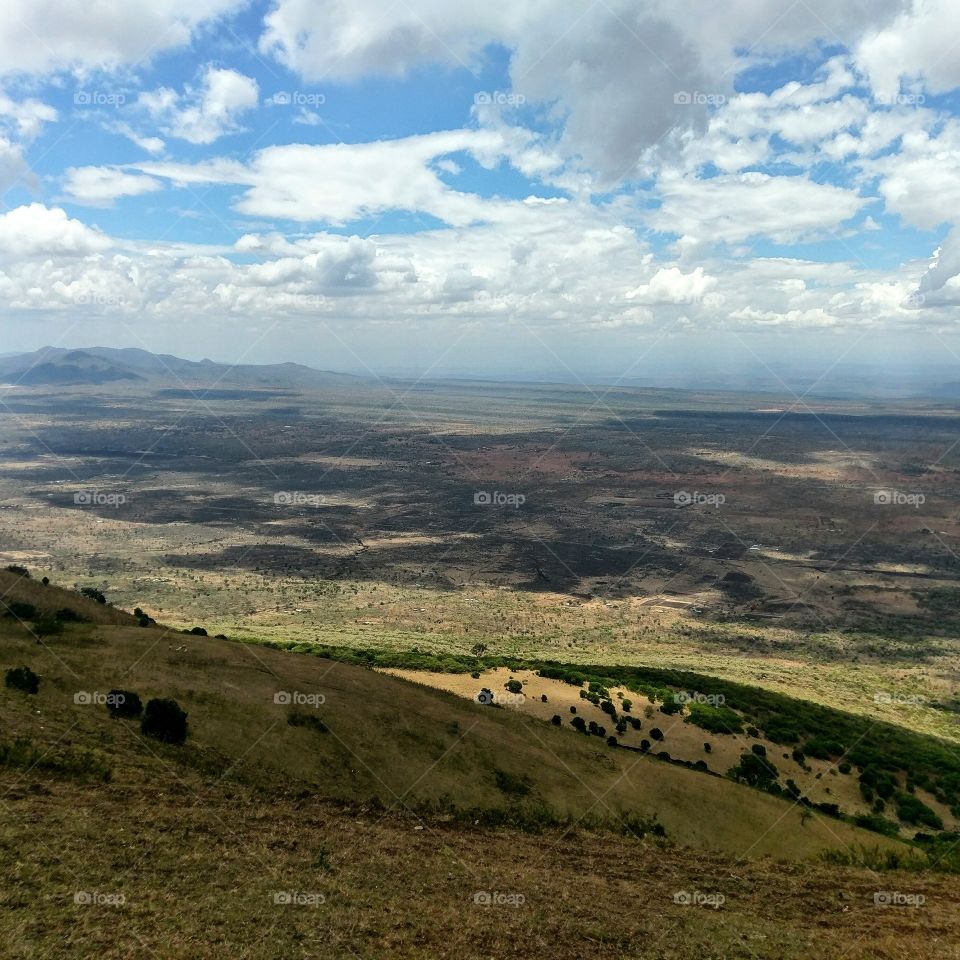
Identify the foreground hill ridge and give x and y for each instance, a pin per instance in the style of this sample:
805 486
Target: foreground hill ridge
317 806
546 774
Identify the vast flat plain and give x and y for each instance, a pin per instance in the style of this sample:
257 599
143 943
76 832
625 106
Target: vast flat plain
805 545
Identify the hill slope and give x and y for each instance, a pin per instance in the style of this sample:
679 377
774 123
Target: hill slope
363 827
386 740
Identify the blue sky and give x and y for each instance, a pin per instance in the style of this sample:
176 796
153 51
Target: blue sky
597 189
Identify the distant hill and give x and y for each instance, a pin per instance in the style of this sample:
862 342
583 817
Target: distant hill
51 366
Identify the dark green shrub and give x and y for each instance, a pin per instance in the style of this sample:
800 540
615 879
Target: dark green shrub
22 610
309 720
18 570
517 786
22 679
94 594
555 720
164 720
912 810
514 686
877 824
67 615
124 704
714 719
754 770
656 733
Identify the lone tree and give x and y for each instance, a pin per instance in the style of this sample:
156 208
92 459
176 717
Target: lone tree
23 679
165 721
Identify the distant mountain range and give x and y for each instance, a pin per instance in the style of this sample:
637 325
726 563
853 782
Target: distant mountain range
56 366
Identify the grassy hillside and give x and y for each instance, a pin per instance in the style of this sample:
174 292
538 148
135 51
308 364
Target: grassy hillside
320 809
373 738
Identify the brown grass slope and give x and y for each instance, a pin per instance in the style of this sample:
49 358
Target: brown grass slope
386 739
49 599
184 852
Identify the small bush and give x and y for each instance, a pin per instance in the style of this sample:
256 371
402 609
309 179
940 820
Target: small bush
18 570
165 721
611 741
94 594
644 745
47 627
555 720
23 679
196 632
22 611
514 686
124 704
67 615
511 784
656 733
309 720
